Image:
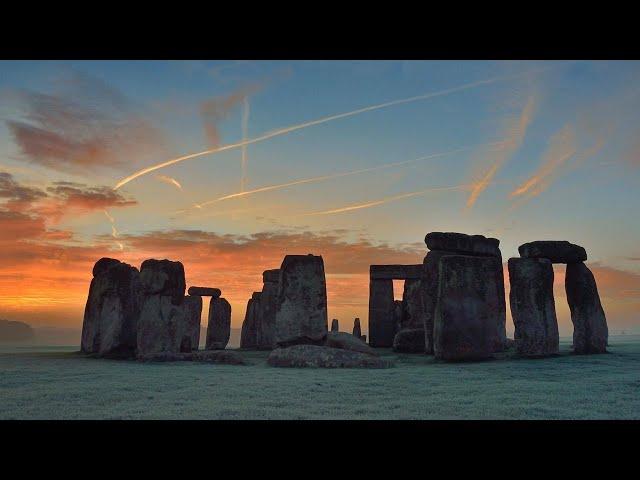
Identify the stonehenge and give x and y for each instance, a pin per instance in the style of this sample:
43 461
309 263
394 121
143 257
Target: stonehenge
258 328
219 324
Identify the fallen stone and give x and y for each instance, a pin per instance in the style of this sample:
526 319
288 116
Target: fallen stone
357 332
315 356
590 331
301 313
226 357
532 306
205 292
163 277
463 244
409 340
164 357
335 327
557 251
219 324
382 320
346 341
468 304
112 310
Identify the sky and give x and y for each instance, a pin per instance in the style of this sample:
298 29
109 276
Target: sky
352 160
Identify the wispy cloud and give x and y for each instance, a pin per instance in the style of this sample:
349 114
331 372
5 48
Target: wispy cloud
169 181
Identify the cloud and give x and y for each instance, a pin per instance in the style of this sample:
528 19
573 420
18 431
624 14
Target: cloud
169 181
215 110
490 163
86 125
18 195
86 198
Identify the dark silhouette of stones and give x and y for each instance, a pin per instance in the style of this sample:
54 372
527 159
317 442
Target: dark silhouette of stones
249 332
532 306
271 276
301 313
205 291
266 319
468 303
163 277
363 338
409 340
429 286
224 357
191 334
315 356
463 244
412 306
13 331
346 341
357 331
335 327
164 326
590 331
382 319
398 316
112 309
557 251
219 324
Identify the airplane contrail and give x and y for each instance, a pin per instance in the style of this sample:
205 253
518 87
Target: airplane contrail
169 180
375 203
319 121
245 133
342 174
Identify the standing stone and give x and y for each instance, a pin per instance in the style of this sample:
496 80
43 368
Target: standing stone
249 332
382 319
557 251
334 325
163 327
429 287
163 277
112 309
219 324
412 306
191 333
265 330
532 306
590 332
398 315
301 314
465 325
357 331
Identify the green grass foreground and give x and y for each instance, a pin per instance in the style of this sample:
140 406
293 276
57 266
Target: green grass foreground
56 383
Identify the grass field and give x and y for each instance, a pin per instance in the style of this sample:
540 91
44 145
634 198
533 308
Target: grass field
56 383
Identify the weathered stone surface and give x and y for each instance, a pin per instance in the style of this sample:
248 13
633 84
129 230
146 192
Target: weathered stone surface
301 313
382 321
412 306
335 326
163 277
112 309
272 276
266 314
532 306
219 324
398 315
249 332
346 341
429 287
410 340
357 331
164 326
191 335
316 356
557 251
590 331
468 304
395 272
462 243
205 291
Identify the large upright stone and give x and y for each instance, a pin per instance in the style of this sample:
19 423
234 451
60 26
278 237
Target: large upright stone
429 287
163 277
532 306
249 332
112 309
266 318
219 324
467 306
301 314
557 251
382 321
412 306
164 327
357 331
191 335
463 244
590 331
